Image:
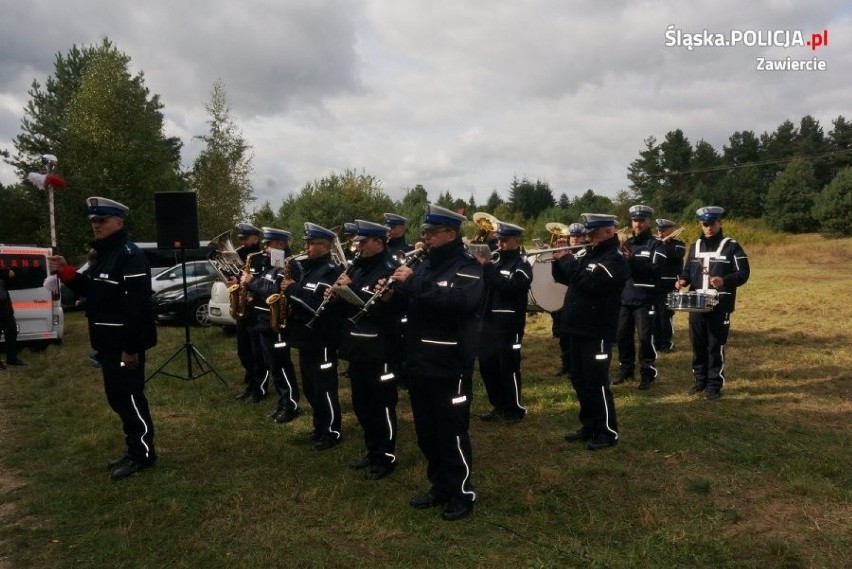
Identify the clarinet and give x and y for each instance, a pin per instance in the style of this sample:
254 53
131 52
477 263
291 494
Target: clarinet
310 325
411 261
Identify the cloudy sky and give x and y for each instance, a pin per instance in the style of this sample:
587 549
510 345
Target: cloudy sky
455 95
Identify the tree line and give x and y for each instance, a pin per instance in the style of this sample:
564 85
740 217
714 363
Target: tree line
107 130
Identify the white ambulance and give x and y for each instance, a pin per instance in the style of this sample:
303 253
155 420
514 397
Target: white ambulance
35 298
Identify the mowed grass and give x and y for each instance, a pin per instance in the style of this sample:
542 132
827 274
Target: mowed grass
760 478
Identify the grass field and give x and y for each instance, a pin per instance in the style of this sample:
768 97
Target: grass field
760 478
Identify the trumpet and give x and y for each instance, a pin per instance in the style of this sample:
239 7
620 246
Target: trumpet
674 233
553 249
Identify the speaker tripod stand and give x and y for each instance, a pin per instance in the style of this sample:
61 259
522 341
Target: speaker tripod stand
196 364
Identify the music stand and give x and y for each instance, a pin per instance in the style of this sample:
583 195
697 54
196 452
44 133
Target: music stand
192 353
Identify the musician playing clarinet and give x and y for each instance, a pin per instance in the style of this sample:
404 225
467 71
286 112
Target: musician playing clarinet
715 265
443 295
368 345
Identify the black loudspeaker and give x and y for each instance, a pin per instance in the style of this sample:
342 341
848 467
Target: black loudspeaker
177 220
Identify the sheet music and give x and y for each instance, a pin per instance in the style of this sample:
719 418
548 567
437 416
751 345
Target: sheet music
276 257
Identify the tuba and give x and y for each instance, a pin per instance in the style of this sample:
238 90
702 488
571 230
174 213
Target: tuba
224 258
485 224
556 231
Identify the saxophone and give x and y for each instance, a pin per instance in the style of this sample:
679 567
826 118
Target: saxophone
277 302
238 294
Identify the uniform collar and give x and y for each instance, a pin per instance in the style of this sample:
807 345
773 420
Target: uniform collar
438 255
110 241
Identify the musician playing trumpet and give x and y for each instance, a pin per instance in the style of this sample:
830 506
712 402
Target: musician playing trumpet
674 250
507 285
576 237
268 345
369 346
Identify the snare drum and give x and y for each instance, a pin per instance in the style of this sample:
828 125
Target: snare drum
545 293
693 301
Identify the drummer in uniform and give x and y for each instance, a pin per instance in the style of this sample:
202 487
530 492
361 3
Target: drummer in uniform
715 265
507 286
592 301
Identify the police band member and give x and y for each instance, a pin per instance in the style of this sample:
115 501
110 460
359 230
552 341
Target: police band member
674 250
591 307
443 296
576 236
255 372
268 345
507 284
638 299
317 346
349 248
368 345
396 225
715 265
117 285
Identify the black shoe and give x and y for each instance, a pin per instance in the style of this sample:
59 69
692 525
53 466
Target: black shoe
491 416
622 377
325 443
578 436
457 511
514 417
113 464
361 464
286 416
696 389
560 371
129 468
2 365
16 363
427 500
256 398
645 383
712 394
244 395
379 471
601 442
